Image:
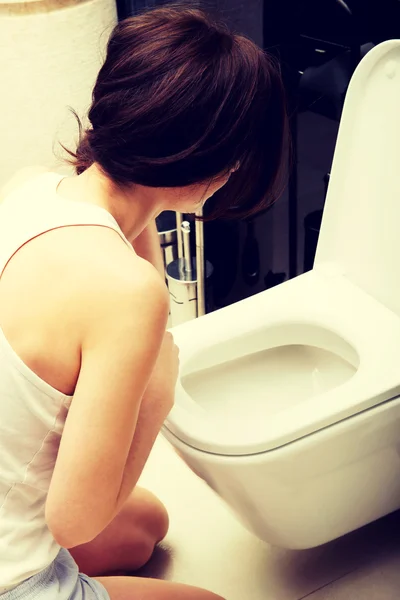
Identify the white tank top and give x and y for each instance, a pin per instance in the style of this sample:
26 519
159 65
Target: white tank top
32 412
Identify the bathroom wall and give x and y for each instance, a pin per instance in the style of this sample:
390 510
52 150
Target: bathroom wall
50 54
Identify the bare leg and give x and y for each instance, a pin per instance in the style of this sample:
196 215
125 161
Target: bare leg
126 545
132 588
129 540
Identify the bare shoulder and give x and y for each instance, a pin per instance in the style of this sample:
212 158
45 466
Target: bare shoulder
88 273
19 178
106 277
105 255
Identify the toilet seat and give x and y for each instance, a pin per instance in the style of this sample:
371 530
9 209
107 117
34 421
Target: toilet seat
322 309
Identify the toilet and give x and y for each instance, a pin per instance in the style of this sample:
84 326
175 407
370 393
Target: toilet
288 403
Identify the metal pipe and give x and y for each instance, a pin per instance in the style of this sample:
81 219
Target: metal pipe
201 301
187 259
179 234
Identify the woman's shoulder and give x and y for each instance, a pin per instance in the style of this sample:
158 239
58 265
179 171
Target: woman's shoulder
92 252
107 281
95 261
89 276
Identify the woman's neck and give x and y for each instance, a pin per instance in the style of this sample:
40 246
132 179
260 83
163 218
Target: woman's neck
133 209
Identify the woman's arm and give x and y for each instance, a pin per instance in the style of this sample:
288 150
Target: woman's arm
147 246
157 401
120 316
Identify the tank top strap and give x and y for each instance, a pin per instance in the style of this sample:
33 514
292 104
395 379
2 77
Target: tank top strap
36 208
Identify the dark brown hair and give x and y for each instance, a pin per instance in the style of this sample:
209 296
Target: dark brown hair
181 100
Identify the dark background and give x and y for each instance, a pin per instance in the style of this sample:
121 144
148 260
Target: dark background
319 43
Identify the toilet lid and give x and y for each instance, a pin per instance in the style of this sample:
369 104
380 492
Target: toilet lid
330 321
360 225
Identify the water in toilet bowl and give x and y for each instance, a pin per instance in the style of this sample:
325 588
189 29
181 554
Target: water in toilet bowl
266 382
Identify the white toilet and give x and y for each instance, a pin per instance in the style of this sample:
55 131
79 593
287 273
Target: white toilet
288 403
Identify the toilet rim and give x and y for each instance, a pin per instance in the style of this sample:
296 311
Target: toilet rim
191 423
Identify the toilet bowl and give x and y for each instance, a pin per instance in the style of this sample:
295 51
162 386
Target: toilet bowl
288 403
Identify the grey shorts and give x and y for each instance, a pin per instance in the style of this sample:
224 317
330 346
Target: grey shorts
61 580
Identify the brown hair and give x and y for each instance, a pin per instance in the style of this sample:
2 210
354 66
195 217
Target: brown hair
181 100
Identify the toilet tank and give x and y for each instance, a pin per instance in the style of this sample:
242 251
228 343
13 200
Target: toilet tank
360 231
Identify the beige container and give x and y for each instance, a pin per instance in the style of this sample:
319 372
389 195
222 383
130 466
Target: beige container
50 54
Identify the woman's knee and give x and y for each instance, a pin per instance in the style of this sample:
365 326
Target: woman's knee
145 520
150 514
144 513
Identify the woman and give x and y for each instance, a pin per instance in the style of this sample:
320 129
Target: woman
181 109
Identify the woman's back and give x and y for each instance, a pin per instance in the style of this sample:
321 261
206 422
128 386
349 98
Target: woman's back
40 353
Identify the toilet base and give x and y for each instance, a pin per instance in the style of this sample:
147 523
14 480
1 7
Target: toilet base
315 489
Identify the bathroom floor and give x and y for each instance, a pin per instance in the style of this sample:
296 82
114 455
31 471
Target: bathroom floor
208 547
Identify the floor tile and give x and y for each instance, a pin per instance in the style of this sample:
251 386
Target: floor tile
207 546
380 581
